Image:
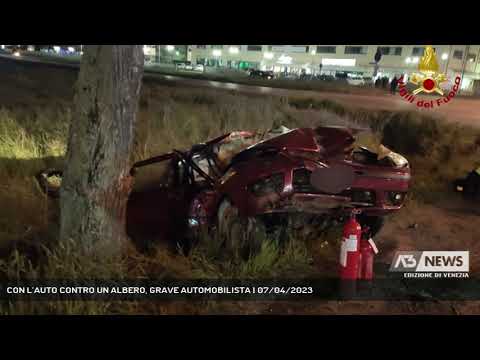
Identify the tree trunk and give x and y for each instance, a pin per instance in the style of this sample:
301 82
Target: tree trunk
96 181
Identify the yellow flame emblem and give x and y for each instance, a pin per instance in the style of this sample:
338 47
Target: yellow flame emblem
429 78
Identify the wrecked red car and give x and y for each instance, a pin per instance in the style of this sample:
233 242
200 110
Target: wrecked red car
244 177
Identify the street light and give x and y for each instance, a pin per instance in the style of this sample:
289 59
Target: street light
170 48
444 56
268 55
217 52
233 50
284 59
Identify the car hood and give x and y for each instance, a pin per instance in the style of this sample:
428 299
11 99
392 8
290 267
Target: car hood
324 140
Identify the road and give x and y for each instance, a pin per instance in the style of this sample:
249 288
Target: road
463 110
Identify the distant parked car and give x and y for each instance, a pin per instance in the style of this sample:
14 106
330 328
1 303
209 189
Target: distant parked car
188 66
290 76
355 80
15 50
305 77
261 74
324 77
183 66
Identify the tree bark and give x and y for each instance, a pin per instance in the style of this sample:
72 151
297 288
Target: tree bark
96 181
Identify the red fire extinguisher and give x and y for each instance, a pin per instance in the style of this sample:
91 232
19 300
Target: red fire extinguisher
350 249
368 250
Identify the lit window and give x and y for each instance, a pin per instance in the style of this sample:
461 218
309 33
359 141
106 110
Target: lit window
390 50
254 47
326 49
458 54
384 50
417 51
359 50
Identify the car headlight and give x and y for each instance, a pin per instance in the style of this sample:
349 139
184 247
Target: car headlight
363 196
396 198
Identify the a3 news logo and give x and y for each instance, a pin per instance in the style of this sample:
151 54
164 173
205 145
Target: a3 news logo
431 263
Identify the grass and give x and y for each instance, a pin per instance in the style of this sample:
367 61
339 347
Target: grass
34 137
274 259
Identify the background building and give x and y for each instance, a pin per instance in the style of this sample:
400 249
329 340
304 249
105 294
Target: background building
331 59
165 54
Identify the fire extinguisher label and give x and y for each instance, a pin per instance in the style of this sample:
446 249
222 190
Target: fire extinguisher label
349 244
374 247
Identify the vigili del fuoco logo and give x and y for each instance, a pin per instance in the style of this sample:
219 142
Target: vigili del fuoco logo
428 81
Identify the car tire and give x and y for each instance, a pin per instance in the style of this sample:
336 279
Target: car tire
241 237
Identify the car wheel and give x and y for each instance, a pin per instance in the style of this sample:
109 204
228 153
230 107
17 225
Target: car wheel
241 237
